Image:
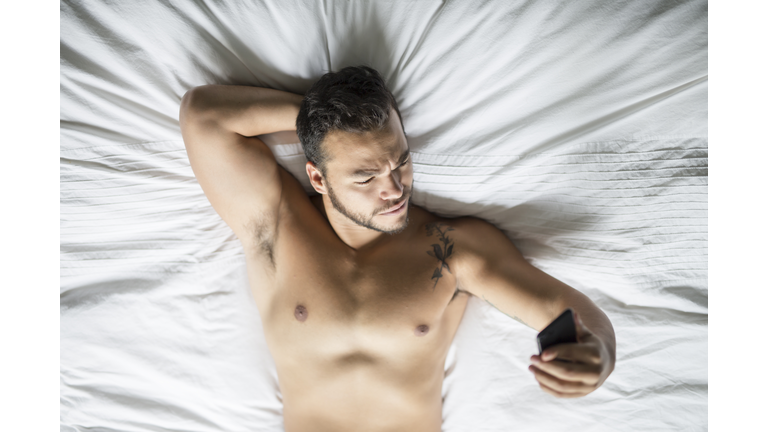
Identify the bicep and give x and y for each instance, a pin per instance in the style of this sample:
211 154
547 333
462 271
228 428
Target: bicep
492 269
238 174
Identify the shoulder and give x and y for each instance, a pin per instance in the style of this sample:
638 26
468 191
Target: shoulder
465 228
470 225
476 245
468 230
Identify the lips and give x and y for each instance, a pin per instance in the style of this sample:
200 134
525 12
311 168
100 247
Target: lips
395 208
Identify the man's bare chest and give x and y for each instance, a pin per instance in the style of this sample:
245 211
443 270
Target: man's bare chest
340 305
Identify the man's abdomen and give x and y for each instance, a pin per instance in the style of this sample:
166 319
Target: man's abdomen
360 398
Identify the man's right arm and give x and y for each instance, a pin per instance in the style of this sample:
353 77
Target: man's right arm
237 171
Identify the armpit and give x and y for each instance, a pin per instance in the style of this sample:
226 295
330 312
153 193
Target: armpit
457 292
262 232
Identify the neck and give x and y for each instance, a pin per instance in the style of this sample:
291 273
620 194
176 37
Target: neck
352 234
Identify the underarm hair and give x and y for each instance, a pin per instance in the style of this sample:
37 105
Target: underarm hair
263 230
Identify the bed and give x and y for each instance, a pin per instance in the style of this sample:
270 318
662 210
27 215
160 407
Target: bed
578 128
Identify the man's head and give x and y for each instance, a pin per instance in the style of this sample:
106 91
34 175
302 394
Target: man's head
352 134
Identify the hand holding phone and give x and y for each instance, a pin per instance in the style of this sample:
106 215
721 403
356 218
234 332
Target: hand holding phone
561 330
572 361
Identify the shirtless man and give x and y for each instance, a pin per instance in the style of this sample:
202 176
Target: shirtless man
361 292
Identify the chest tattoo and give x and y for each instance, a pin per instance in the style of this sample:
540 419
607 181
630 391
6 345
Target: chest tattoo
441 252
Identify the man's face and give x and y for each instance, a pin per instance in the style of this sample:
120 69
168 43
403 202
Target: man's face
370 176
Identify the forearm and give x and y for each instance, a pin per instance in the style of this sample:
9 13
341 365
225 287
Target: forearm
248 111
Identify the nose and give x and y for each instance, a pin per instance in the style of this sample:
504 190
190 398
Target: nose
392 189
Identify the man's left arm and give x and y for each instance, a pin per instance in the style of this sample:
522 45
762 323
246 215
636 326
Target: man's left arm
489 266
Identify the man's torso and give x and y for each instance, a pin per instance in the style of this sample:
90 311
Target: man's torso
360 337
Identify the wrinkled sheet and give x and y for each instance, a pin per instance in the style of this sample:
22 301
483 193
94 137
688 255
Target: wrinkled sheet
579 128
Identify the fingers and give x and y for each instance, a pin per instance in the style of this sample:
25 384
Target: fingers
558 387
558 394
576 352
569 371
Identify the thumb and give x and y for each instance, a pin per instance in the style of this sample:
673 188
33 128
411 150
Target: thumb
581 330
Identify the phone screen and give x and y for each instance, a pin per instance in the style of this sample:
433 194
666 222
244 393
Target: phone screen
561 330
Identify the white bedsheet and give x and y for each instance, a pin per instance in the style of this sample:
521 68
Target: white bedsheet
579 128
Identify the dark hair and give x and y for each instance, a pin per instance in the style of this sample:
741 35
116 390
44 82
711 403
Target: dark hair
354 99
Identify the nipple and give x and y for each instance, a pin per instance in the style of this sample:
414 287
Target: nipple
300 313
421 330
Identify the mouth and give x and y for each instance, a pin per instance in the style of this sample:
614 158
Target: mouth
395 210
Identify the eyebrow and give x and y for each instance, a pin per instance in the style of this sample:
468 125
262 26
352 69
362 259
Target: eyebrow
369 172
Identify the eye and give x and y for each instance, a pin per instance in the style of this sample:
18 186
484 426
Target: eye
365 182
405 162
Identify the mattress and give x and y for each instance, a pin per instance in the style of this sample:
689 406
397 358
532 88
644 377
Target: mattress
578 128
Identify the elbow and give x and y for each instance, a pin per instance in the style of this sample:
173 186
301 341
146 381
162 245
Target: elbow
187 105
194 105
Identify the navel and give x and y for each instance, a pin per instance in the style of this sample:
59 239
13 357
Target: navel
301 313
421 330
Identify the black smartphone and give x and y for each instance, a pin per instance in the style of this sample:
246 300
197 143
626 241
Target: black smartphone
561 330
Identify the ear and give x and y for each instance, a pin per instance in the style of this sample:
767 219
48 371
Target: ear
316 178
